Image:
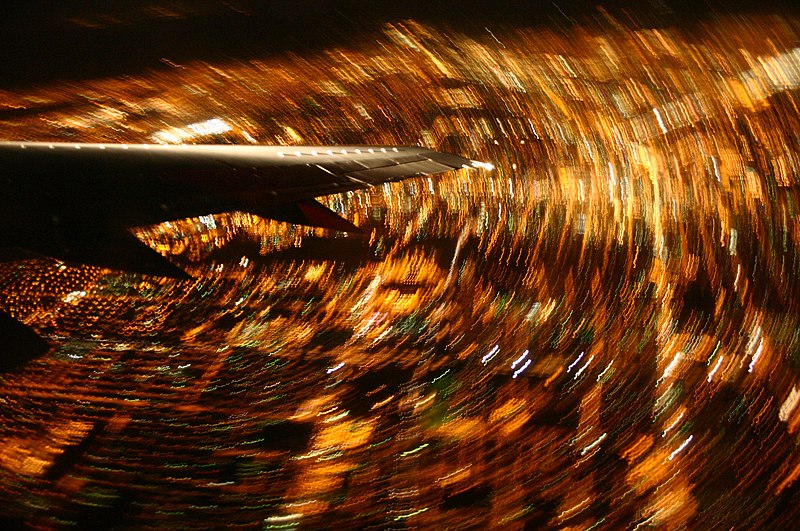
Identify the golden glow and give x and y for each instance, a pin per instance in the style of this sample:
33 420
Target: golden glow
598 332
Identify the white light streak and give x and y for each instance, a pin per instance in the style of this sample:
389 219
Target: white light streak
533 311
757 355
215 126
286 518
340 416
440 376
789 405
491 354
674 423
715 369
573 509
732 243
660 121
425 400
680 448
488 166
524 366
519 360
671 367
74 296
610 363
580 371
334 369
595 443
571 365
415 450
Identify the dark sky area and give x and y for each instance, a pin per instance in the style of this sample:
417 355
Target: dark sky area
43 41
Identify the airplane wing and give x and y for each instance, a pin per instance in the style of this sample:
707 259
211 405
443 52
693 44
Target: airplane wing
76 202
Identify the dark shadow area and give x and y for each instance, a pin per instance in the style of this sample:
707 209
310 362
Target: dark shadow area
41 42
73 454
478 496
19 344
289 436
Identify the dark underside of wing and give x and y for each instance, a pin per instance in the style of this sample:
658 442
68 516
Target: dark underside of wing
111 249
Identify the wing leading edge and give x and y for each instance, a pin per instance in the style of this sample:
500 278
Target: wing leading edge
76 202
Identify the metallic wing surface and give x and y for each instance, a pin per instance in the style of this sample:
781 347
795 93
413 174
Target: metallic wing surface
76 202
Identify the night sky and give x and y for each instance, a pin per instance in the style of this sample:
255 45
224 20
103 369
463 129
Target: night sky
42 42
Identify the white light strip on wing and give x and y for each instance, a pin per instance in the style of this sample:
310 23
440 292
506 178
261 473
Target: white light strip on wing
488 166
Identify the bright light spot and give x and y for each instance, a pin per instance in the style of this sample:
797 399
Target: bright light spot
208 221
488 166
425 400
74 296
732 243
215 126
334 369
672 364
340 416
